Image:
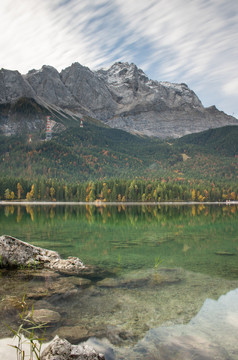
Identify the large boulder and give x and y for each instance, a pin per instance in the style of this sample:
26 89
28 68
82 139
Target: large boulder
17 253
61 349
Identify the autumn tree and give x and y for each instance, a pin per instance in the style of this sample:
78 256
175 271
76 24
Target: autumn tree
7 194
52 192
30 195
19 190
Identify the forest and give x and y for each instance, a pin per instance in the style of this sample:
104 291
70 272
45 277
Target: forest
100 163
121 190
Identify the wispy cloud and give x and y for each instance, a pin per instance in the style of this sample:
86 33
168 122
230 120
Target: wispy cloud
193 41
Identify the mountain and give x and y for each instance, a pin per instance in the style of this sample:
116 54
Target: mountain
121 97
222 141
99 152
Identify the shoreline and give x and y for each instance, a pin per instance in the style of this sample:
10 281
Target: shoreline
115 203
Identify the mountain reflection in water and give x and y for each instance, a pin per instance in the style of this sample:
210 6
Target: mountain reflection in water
211 334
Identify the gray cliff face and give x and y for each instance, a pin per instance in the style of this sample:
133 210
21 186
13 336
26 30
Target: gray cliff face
133 87
168 123
13 86
88 89
155 108
47 85
123 97
23 116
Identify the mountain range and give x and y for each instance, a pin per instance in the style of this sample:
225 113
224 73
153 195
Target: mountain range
132 127
121 97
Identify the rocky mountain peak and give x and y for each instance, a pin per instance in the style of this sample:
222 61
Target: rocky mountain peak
45 69
13 86
48 85
88 89
121 73
126 82
122 96
134 89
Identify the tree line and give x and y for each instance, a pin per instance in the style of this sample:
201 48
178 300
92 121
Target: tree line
138 189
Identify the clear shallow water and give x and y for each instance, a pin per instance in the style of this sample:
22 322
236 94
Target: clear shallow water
136 299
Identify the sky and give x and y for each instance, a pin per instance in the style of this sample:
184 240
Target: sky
181 41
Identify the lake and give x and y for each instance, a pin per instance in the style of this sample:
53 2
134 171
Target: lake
165 285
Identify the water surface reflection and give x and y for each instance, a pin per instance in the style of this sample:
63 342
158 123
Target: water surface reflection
211 334
144 307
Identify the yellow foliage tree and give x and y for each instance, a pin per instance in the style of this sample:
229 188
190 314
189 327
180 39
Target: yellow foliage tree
52 193
30 194
19 191
7 194
233 195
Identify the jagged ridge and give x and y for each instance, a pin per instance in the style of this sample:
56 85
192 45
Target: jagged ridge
122 97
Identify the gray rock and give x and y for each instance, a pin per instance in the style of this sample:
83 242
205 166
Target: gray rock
25 115
11 304
122 97
155 108
27 99
17 253
78 281
134 88
47 85
61 349
44 316
140 279
61 286
89 90
74 334
108 283
13 86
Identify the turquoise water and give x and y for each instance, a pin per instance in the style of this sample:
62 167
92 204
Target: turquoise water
132 237
162 263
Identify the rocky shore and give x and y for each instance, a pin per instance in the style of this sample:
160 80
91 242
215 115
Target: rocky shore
15 253
132 315
61 349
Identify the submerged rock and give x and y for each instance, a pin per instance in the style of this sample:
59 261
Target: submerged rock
78 281
11 305
16 253
61 349
74 334
44 316
143 278
224 253
49 288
